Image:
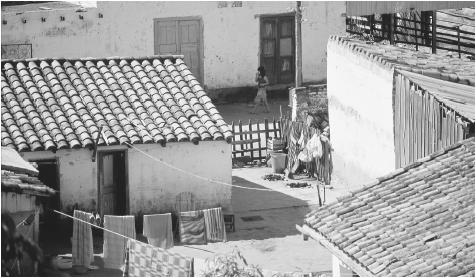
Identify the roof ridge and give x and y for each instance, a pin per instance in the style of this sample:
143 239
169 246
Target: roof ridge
160 56
405 169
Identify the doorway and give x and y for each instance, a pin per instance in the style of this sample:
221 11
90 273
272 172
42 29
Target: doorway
112 191
277 44
181 36
48 174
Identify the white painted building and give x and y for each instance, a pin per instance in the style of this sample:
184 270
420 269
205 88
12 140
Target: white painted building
378 123
223 41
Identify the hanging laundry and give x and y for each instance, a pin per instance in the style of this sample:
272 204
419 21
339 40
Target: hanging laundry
145 260
82 243
115 245
192 227
158 230
214 225
314 146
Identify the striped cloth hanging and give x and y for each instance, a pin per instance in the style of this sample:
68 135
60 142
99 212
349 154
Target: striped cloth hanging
82 242
192 227
214 225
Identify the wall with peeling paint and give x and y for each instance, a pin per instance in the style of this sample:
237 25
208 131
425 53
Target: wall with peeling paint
152 186
230 34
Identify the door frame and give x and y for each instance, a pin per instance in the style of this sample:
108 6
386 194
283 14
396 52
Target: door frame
200 40
100 153
264 16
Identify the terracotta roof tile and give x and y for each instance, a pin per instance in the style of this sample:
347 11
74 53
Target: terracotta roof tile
417 221
438 66
57 103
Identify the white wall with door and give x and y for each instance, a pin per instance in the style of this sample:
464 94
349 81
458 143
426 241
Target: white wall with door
228 42
149 186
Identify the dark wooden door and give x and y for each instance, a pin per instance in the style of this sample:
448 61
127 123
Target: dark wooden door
112 188
278 48
181 37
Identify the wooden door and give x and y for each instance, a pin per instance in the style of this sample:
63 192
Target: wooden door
180 37
277 48
112 188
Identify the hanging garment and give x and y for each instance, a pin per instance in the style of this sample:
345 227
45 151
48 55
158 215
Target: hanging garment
192 227
158 230
214 225
325 162
115 245
145 260
82 243
314 146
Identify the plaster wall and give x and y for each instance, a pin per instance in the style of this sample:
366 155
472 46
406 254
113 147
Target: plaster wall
230 34
360 115
152 186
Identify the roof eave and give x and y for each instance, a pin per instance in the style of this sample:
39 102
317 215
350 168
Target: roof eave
347 260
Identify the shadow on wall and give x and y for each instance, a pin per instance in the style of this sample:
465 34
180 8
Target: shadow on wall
264 214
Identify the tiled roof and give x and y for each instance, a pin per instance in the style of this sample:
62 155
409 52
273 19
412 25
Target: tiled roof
19 176
62 103
417 221
434 65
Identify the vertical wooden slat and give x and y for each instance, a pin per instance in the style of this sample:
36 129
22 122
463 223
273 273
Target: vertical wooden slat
266 130
412 126
431 129
233 147
261 156
275 130
250 129
418 125
439 125
407 103
397 126
444 136
240 130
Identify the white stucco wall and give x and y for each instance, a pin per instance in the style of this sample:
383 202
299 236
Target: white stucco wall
230 35
360 115
152 186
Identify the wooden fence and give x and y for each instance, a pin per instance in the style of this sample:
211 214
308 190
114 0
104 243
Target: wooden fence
423 125
416 29
249 140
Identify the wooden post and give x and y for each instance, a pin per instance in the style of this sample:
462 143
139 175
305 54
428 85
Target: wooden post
433 32
298 18
415 28
392 29
335 266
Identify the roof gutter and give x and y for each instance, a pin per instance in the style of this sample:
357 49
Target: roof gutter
350 262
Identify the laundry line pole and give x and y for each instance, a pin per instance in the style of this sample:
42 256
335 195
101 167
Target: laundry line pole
298 44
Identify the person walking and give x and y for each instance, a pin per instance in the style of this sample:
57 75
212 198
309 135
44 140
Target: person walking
261 97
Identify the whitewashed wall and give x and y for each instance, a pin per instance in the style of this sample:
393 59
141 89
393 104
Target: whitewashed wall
152 186
230 35
360 115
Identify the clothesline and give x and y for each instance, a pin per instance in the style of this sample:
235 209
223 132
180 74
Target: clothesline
112 232
195 175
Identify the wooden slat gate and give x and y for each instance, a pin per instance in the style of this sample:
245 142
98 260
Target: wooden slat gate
249 140
422 124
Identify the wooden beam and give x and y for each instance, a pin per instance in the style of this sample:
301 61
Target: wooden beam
348 261
298 65
433 32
